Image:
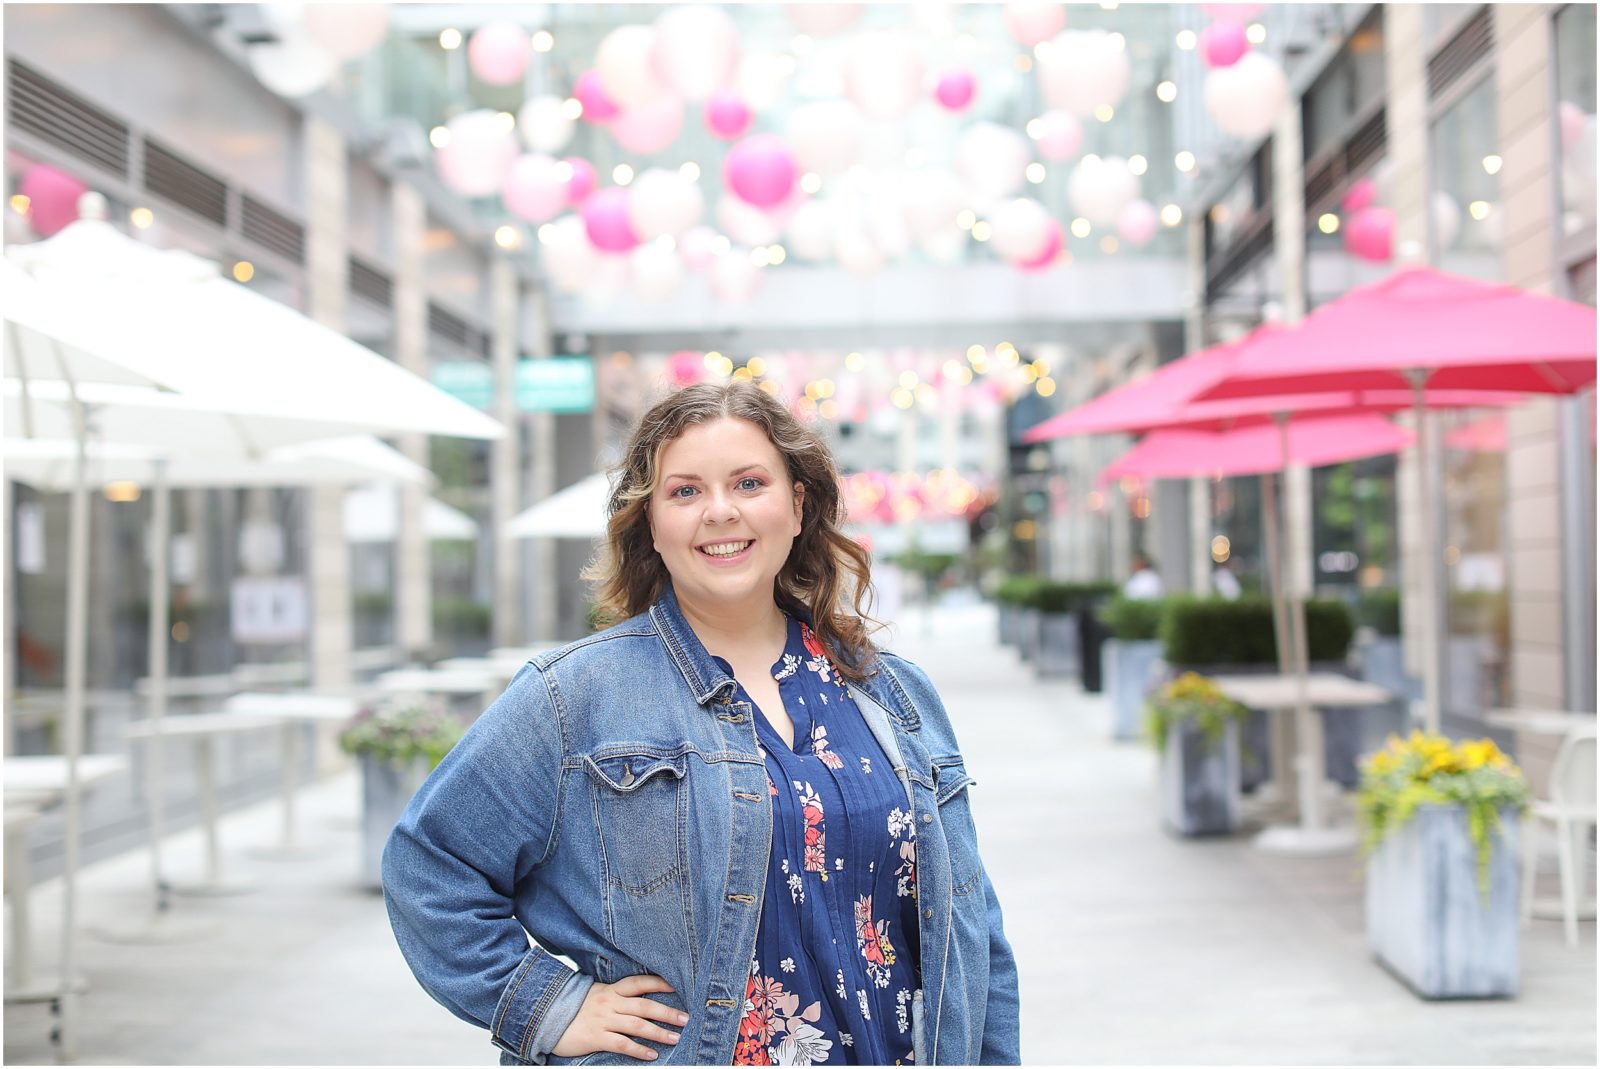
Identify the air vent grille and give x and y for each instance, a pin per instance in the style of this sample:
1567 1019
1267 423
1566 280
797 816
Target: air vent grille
452 328
173 178
44 109
1241 256
368 282
1472 43
1320 183
271 229
1366 144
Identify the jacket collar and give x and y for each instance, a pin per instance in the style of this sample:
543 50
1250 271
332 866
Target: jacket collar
707 679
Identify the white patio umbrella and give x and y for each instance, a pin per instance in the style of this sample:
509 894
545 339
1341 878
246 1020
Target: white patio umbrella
372 515
579 511
107 309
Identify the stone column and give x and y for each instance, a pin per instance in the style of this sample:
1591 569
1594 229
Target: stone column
1289 238
1541 572
327 273
413 576
544 624
505 455
1194 339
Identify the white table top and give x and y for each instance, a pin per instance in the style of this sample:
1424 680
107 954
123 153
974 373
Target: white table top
292 706
1540 721
503 668
1281 691
422 681
40 778
199 725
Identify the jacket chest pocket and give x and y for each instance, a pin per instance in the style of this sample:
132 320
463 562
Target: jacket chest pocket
951 786
640 797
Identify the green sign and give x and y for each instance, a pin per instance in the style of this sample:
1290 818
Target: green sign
556 384
553 384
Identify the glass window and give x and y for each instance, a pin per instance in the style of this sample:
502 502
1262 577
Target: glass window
1466 187
1575 92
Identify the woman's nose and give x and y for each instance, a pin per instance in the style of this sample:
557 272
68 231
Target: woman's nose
720 508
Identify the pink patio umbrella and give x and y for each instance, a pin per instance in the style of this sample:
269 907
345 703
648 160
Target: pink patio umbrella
1487 435
1257 449
1425 330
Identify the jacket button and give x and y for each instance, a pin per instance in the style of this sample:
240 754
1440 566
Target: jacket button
928 913
927 818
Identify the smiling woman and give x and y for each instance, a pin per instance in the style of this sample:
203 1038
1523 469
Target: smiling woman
742 820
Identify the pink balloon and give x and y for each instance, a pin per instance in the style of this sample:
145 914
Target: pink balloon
1359 196
1030 22
1370 235
499 52
52 198
956 88
535 189
597 107
1138 222
697 247
650 127
727 115
1222 44
1060 135
1047 255
760 170
583 180
685 368
605 220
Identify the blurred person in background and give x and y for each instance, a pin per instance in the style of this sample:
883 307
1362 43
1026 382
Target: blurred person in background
745 824
1144 584
1224 582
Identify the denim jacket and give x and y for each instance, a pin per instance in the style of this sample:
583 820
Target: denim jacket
624 823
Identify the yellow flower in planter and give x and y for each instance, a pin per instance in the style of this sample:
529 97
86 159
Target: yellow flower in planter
1431 770
1193 698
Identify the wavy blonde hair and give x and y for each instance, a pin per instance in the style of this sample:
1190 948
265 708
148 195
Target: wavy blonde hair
827 576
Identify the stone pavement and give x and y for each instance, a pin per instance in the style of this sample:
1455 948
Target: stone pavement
1133 947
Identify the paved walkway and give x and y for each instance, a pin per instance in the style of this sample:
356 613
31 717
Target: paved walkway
1133 947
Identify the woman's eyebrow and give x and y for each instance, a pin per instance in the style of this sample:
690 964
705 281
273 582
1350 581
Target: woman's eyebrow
736 471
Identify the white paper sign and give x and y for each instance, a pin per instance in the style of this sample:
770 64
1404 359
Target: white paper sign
270 609
30 539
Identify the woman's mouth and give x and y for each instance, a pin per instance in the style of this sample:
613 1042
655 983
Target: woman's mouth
726 552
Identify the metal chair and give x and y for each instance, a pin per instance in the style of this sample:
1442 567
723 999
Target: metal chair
1571 810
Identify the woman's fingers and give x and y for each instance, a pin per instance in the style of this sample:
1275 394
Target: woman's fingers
653 1010
638 1026
621 1044
641 984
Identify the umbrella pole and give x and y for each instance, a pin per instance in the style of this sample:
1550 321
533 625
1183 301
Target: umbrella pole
1307 729
1283 771
1432 618
160 623
72 743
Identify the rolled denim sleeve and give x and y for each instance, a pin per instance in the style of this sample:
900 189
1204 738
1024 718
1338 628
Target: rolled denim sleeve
476 830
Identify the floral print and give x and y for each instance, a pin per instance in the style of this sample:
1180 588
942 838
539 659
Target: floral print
837 947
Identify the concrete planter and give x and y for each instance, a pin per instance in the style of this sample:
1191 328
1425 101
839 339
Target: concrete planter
1010 618
1028 633
1200 781
1056 645
1427 921
386 790
1130 665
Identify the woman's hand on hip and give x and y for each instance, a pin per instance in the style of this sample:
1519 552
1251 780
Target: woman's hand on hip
612 1015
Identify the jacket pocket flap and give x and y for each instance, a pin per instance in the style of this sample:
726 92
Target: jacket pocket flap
949 778
626 772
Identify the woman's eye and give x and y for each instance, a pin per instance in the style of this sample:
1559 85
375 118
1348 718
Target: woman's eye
749 482
679 491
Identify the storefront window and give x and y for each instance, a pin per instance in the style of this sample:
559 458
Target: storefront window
1466 185
1575 91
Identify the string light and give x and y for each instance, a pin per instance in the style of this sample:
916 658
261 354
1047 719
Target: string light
1328 223
1171 214
450 39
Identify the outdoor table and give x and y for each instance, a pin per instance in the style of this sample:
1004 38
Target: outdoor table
291 709
459 683
1279 694
502 668
1556 722
203 729
32 785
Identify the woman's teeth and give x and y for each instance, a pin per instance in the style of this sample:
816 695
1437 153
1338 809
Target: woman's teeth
727 549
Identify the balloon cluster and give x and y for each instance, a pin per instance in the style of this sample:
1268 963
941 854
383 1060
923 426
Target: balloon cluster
1245 90
312 40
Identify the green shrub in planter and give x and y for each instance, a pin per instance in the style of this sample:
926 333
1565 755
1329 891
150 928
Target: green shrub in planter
1379 609
1190 699
461 616
1214 631
401 736
1054 597
1015 590
1133 619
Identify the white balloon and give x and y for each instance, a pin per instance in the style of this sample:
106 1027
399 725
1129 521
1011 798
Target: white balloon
479 154
664 202
1020 229
946 248
294 66
610 276
827 136
858 253
657 271
931 198
1446 219
745 223
810 232
763 77
1578 167
567 256
345 31
1100 188
698 247
822 20
1081 70
734 276
992 159
624 62
696 50
1030 23
1060 135
1245 99
543 125
883 74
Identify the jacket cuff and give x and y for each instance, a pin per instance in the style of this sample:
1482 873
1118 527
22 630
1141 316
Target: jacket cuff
539 1003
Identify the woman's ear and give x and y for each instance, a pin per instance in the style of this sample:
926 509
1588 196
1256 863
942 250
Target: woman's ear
799 503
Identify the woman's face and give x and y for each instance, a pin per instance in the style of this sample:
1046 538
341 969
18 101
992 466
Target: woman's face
724 515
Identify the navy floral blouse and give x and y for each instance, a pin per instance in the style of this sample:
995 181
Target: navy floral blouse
836 957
